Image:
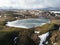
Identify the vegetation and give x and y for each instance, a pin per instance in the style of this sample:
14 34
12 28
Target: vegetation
6 37
45 28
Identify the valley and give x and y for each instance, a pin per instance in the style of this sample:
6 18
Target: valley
10 35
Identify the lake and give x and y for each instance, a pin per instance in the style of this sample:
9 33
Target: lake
28 23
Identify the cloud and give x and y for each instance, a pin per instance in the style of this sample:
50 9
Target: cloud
29 4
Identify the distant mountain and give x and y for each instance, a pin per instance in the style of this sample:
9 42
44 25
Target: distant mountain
49 8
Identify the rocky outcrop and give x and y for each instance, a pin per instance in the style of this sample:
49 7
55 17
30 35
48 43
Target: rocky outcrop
35 38
55 38
27 37
25 40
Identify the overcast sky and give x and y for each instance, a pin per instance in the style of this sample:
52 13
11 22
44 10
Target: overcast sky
29 4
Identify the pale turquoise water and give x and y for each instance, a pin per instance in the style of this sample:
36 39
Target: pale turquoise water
28 23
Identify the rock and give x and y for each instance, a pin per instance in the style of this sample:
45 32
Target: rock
35 38
55 37
25 38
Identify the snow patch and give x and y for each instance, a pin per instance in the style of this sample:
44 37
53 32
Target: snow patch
37 32
15 39
43 38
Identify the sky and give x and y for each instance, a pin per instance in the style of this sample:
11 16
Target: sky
29 4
